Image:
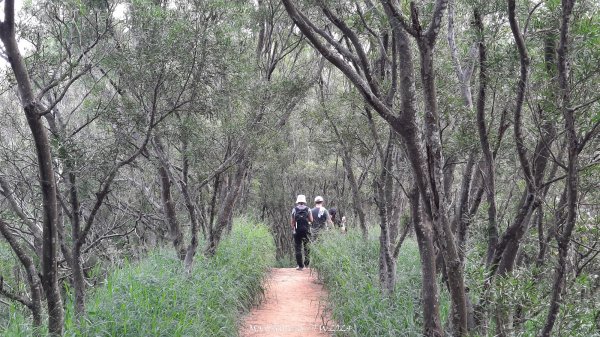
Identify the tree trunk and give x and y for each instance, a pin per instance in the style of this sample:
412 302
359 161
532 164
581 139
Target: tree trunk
439 202
175 234
166 182
485 145
572 170
227 206
356 199
46 171
76 263
33 279
189 204
387 262
432 326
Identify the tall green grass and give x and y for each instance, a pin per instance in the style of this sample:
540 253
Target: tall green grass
349 268
154 297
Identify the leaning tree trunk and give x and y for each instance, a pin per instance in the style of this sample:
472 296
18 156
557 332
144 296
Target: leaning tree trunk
508 245
47 183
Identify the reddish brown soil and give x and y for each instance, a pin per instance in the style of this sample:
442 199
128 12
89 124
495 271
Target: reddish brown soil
294 305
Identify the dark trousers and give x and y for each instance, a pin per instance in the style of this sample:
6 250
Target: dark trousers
302 238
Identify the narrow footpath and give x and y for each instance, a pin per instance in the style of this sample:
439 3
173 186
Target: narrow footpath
294 305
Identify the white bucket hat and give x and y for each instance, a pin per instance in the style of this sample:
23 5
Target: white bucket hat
301 198
319 199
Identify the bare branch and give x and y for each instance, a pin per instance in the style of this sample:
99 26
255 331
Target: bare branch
65 89
13 296
525 29
9 195
362 56
364 88
105 237
436 21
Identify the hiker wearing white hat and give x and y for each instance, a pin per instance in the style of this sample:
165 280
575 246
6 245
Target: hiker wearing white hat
321 218
300 221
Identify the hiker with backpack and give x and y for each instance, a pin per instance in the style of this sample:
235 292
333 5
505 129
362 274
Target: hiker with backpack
338 219
321 218
301 219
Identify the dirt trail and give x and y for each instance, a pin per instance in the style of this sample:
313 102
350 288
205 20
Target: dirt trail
294 305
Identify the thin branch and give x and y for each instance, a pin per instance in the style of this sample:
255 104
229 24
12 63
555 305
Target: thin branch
373 33
362 56
105 237
360 83
9 195
13 296
345 52
65 89
104 190
583 105
401 239
590 135
550 182
525 29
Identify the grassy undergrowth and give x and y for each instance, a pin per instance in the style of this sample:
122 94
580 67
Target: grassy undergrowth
349 268
154 297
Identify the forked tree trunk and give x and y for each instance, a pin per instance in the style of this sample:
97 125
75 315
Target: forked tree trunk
166 178
226 208
175 234
189 204
454 267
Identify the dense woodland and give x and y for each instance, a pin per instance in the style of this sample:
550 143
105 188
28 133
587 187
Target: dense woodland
469 127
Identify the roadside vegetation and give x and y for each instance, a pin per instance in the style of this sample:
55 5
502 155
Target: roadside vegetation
155 297
348 267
